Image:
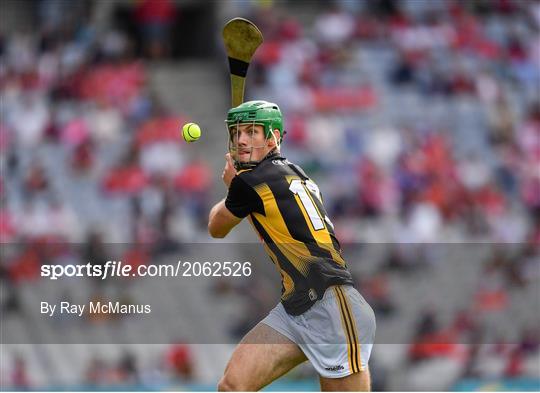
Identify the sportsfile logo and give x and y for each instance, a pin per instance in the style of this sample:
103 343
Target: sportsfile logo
335 368
121 269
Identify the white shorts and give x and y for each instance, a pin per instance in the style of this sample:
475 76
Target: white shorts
336 334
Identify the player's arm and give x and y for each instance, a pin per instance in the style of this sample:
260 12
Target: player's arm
221 220
241 200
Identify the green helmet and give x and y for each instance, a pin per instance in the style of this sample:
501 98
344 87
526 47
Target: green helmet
264 113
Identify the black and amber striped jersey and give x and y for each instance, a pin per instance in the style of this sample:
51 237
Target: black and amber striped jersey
285 208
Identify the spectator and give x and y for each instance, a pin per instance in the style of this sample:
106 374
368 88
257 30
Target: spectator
127 369
36 180
155 19
180 361
29 118
19 376
105 121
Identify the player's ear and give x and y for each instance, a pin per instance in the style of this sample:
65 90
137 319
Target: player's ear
274 141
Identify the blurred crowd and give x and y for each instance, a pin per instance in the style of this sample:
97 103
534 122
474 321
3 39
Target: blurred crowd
88 152
90 156
87 149
421 173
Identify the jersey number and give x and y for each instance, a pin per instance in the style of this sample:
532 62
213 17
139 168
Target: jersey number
301 189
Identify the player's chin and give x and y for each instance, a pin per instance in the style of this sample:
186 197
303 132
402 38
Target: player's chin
244 157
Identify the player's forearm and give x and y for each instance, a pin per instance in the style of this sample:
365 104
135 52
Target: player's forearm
221 220
215 209
215 225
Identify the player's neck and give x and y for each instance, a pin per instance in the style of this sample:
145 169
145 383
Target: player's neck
271 154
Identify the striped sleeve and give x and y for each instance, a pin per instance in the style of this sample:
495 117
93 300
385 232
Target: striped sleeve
242 199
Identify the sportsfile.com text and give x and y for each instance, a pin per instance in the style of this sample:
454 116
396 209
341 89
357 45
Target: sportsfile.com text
122 269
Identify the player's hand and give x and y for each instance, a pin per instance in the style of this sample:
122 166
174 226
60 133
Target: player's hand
229 172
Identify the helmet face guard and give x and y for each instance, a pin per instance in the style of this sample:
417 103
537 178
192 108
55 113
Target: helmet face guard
253 113
234 148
